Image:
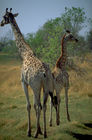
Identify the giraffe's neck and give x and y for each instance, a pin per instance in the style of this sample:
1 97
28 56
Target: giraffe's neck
20 42
61 62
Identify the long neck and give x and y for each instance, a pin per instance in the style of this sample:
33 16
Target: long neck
61 62
20 42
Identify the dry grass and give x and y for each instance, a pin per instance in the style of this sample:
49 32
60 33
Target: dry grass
82 84
10 77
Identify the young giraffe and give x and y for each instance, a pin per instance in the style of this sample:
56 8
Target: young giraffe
35 74
61 77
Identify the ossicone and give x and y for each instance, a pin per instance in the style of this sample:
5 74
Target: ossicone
67 31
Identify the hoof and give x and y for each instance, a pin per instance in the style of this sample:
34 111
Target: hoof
36 135
50 124
29 134
68 118
39 130
45 135
58 122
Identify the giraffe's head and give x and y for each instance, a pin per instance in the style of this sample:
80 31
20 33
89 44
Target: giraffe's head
8 17
69 37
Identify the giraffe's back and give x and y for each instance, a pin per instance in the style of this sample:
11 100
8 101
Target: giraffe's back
61 79
35 72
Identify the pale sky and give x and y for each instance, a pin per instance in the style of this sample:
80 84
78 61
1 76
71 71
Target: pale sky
34 13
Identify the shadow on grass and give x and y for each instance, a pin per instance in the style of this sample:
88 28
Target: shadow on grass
84 125
88 125
81 126
80 136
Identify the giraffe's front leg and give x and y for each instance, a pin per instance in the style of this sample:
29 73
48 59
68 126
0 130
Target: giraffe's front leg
58 109
57 115
25 87
50 120
29 121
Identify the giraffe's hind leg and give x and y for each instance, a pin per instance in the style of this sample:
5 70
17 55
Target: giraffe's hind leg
39 128
38 131
66 100
25 87
51 106
37 107
45 97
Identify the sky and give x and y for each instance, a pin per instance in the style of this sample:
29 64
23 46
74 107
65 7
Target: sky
34 13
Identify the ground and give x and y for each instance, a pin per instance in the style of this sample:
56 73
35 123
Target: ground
13 113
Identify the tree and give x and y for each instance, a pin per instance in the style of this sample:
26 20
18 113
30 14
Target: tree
89 40
73 19
7 44
46 42
89 35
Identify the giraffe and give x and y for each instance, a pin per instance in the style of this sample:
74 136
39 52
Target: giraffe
34 73
61 77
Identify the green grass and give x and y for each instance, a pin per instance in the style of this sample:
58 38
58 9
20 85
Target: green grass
13 113
13 118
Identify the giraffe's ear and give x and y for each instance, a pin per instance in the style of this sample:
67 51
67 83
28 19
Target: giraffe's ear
15 15
67 31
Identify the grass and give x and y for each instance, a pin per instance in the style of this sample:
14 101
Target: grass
13 114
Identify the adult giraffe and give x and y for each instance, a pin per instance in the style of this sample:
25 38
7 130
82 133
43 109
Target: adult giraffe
35 74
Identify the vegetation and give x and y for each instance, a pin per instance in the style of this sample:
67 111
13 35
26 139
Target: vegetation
46 42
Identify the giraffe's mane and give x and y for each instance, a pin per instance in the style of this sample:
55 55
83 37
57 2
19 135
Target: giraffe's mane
62 41
58 61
